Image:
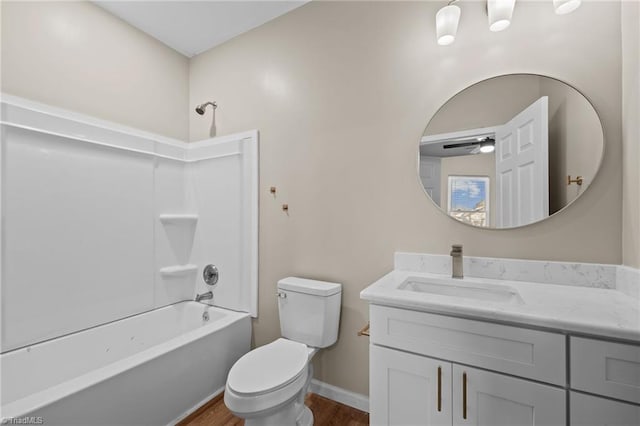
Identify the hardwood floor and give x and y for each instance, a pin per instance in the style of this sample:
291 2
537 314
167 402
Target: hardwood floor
325 413
329 413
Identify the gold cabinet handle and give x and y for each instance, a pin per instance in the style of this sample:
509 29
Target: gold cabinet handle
439 388
464 396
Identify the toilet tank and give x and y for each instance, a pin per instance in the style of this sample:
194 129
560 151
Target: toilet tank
309 311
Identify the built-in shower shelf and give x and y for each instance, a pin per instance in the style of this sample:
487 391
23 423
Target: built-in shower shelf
178 270
179 219
180 229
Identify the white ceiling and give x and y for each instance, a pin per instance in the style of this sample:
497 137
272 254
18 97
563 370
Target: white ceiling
191 27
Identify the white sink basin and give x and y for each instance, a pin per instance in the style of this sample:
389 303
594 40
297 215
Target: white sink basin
460 288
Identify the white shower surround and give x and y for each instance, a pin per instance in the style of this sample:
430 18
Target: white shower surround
104 231
82 239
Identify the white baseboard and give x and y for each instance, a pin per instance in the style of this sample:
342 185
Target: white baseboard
343 396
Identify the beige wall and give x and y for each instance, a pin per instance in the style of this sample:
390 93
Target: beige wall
575 142
341 93
631 133
477 106
75 55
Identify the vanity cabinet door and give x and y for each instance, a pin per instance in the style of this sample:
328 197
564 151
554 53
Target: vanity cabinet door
484 398
587 410
606 368
407 389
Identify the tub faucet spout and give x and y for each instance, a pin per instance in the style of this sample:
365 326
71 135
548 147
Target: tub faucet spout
456 261
204 296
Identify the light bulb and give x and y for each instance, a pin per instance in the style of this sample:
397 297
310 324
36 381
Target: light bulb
563 7
447 20
500 12
487 147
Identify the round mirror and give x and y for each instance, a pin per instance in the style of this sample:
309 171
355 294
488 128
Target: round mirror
510 151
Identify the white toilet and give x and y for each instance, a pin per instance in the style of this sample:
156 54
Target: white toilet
267 386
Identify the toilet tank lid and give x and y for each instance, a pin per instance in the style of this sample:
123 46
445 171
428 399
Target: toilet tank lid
303 285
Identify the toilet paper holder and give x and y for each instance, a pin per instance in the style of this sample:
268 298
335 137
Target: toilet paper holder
364 331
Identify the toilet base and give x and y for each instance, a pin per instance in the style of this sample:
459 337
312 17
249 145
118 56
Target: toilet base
284 416
305 418
289 415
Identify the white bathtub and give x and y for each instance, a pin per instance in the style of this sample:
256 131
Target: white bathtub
149 369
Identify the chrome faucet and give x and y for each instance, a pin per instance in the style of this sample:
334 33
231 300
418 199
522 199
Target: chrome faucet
456 261
204 296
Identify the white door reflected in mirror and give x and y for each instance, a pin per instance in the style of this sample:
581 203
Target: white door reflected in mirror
522 167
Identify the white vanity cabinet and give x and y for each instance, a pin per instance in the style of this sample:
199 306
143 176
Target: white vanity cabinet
485 398
589 410
423 372
500 347
606 368
409 389
610 370
435 369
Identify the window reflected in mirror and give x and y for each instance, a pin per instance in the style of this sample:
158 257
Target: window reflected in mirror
468 199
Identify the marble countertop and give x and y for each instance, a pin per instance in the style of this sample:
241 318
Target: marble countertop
601 312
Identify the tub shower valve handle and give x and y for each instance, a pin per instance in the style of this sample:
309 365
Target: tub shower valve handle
210 274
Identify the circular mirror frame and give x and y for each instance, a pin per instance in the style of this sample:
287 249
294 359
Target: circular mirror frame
564 208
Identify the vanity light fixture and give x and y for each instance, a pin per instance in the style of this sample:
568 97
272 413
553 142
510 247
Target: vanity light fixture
488 146
447 20
563 7
500 12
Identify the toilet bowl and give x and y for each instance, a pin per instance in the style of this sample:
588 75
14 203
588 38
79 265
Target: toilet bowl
267 386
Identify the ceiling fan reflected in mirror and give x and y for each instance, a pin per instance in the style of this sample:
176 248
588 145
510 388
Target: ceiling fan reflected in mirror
479 145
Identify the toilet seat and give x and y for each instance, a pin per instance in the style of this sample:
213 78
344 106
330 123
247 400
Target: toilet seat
268 368
267 378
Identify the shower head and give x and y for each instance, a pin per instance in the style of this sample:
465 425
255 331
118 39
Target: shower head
201 108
